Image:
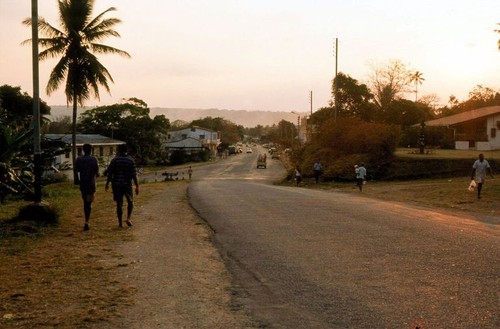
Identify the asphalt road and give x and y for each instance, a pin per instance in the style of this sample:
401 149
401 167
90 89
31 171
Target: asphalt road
303 258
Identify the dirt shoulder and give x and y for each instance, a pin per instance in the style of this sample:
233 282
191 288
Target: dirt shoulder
180 279
161 273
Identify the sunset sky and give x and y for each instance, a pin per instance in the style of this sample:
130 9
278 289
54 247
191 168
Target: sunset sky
268 54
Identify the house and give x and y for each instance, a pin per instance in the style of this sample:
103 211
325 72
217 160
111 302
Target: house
477 129
103 148
188 145
192 139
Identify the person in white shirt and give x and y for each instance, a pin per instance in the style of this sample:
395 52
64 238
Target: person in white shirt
360 175
479 170
317 171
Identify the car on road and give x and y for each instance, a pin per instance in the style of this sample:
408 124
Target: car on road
261 161
249 150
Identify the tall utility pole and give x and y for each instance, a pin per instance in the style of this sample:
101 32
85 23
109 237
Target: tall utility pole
311 100
336 55
37 156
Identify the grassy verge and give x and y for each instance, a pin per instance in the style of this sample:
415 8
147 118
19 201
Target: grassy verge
447 154
61 276
447 194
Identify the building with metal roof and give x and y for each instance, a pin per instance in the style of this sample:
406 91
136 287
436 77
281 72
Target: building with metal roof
104 148
477 129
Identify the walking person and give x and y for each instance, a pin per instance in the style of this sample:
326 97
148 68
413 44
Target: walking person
360 175
479 170
190 172
88 169
317 170
121 172
298 175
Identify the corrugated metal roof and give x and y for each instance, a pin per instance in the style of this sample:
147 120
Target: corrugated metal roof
185 143
81 139
464 116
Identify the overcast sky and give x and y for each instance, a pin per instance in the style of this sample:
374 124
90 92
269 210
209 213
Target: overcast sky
268 54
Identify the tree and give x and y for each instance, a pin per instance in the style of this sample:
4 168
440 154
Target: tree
406 113
76 43
286 133
230 133
480 96
16 142
352 99
389 82
417 78
16 107
129 122
60 125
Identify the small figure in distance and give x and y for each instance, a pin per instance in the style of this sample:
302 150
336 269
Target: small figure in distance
360 175
317 170
298 175
121 172
88 169
190 172
479 170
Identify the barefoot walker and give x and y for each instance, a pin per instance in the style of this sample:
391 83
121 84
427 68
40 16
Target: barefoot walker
479 169
121 171
88 169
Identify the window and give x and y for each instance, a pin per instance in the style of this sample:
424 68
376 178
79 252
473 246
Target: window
111 149
493 132
101 151
202 136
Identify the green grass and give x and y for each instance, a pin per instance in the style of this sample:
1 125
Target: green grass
446 154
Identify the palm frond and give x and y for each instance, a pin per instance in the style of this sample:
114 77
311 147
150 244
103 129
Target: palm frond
98 20
57 75
103 49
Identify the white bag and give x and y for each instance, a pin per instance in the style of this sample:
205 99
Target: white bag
472 185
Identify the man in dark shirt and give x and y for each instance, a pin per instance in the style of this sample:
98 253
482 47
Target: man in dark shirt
121 172
88 169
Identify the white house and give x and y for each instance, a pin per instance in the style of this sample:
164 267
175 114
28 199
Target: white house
477 129
103 148
192 139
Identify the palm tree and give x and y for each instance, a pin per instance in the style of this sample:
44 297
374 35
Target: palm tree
76 43
418 79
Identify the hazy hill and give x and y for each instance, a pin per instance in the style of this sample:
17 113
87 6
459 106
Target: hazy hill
240 117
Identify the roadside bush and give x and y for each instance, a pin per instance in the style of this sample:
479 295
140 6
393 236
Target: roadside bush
177 157
435 137
54 177
342 143
41 214
413 168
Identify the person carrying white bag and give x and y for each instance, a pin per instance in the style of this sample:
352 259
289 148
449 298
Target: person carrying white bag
479 170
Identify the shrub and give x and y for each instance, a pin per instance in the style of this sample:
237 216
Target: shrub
342 143
41 214
177 157
436 137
